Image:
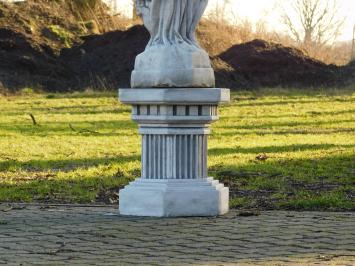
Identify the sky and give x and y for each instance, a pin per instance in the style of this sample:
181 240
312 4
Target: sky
268 10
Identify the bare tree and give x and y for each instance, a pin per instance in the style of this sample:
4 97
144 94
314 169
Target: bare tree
220 12
313 22
353 46
134 16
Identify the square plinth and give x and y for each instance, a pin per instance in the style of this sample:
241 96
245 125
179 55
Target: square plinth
172 198
174 96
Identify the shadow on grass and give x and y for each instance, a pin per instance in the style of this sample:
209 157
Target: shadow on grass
289 92
275 149
63 128
63 165
283 124
302 184
80 95
292 116
286 102
82 111
295 131
291 184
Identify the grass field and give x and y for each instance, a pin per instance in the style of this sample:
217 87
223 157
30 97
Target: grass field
84 148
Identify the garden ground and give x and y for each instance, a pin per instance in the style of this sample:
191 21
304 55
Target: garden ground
72 235
275 149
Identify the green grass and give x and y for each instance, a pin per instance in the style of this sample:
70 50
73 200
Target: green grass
85 147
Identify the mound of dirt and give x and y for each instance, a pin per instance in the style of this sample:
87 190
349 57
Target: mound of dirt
106 61
262 63
32 35
26 64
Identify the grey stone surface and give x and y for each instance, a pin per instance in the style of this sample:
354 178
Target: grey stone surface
182 96
172 197
172 57
89 236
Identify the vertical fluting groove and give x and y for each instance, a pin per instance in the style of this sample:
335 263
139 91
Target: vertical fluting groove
164 157
192 159
203 157
202 154
167 150
205 147
156 153
180 158
197 147
191 156
185 157
196 156
184 166
199 151
143 156
200 157
148 156
163 163
161 157
168 157
173 163
158 157
172 153
153 157
177 156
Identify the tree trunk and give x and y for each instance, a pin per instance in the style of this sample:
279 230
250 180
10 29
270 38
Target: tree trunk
134 15
353 46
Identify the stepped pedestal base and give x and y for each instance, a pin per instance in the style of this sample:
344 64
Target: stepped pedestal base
174 124
171 198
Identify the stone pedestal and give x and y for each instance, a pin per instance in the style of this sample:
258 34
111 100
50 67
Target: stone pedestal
174 124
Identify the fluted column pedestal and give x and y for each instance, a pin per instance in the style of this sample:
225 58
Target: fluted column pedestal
174 124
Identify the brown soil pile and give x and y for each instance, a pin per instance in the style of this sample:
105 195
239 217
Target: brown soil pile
23 64
42 45
32 35
262 63
106 61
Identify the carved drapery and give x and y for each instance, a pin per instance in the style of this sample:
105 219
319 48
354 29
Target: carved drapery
171 21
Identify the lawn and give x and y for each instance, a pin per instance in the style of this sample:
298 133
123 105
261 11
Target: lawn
276 149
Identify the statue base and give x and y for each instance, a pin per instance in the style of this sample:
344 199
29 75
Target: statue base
172 198
173 66
174 124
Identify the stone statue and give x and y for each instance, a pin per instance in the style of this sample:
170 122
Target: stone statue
172 57
174 102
